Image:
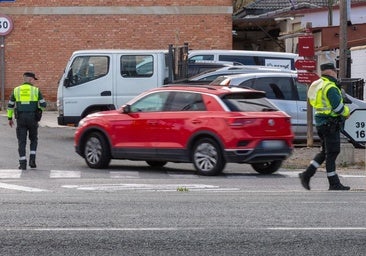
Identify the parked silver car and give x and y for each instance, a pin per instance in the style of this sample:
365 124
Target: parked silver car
210 75
286 93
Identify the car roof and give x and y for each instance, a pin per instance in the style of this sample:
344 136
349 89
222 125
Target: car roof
263 74
242 69
243 77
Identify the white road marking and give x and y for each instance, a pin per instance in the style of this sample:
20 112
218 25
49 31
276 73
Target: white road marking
124 175
315 228
22 188
59 174
182 176
58 229
291 174
352 176
99 229
10 173
55 174
150 187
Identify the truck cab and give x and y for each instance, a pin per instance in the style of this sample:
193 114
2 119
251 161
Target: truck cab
98 80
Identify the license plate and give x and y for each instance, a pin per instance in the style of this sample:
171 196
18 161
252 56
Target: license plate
273 144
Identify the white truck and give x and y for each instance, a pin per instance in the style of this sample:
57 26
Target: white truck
97 80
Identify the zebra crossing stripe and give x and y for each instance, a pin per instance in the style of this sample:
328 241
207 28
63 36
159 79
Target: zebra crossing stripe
21 188
124 175
56 174
10 173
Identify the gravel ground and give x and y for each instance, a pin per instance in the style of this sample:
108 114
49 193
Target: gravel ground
350 158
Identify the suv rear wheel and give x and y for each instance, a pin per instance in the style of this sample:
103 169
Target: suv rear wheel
207 157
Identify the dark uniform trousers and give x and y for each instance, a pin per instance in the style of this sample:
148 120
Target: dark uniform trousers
329 135
26 125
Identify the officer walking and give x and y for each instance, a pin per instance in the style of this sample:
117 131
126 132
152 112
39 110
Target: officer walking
330 112
26 103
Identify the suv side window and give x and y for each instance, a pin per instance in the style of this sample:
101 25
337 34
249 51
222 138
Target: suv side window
280 88
137 66
87 68
153 102
186 101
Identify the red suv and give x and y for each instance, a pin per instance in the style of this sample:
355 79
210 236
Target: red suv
205 125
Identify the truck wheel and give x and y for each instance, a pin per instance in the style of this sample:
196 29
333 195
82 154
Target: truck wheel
96 151
207 157
267 167
156 164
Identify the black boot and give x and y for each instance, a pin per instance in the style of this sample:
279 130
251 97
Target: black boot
305 180
32 161
22 165
306 175
335 184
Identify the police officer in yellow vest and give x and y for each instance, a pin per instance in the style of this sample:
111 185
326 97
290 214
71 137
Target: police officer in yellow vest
26 103
330 112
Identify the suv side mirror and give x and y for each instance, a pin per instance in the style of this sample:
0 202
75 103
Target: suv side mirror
126 109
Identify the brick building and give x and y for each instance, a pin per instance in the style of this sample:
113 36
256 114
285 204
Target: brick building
46 32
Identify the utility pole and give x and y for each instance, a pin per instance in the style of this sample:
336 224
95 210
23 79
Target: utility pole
343 39
347 150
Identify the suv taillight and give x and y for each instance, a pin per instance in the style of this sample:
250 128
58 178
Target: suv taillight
239 122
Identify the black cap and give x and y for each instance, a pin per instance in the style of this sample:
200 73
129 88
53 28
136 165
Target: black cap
30 74
326 66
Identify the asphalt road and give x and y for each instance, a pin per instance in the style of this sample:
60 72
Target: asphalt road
150 222
65 208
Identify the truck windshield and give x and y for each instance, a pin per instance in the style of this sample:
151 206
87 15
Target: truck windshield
87 68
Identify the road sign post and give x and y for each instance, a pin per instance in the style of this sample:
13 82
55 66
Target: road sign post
306 66
6 26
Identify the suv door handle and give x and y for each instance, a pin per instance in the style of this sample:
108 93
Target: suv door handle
152 122
196 121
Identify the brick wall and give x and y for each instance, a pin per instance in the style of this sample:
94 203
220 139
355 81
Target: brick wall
46 32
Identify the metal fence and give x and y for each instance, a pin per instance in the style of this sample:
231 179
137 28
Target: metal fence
353 86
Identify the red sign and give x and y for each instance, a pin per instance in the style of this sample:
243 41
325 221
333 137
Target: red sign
305 64
307 77
306 46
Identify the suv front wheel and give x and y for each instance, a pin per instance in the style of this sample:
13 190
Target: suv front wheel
207 157
96 151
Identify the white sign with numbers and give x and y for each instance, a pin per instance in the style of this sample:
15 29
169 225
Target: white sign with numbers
355 125
6 25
